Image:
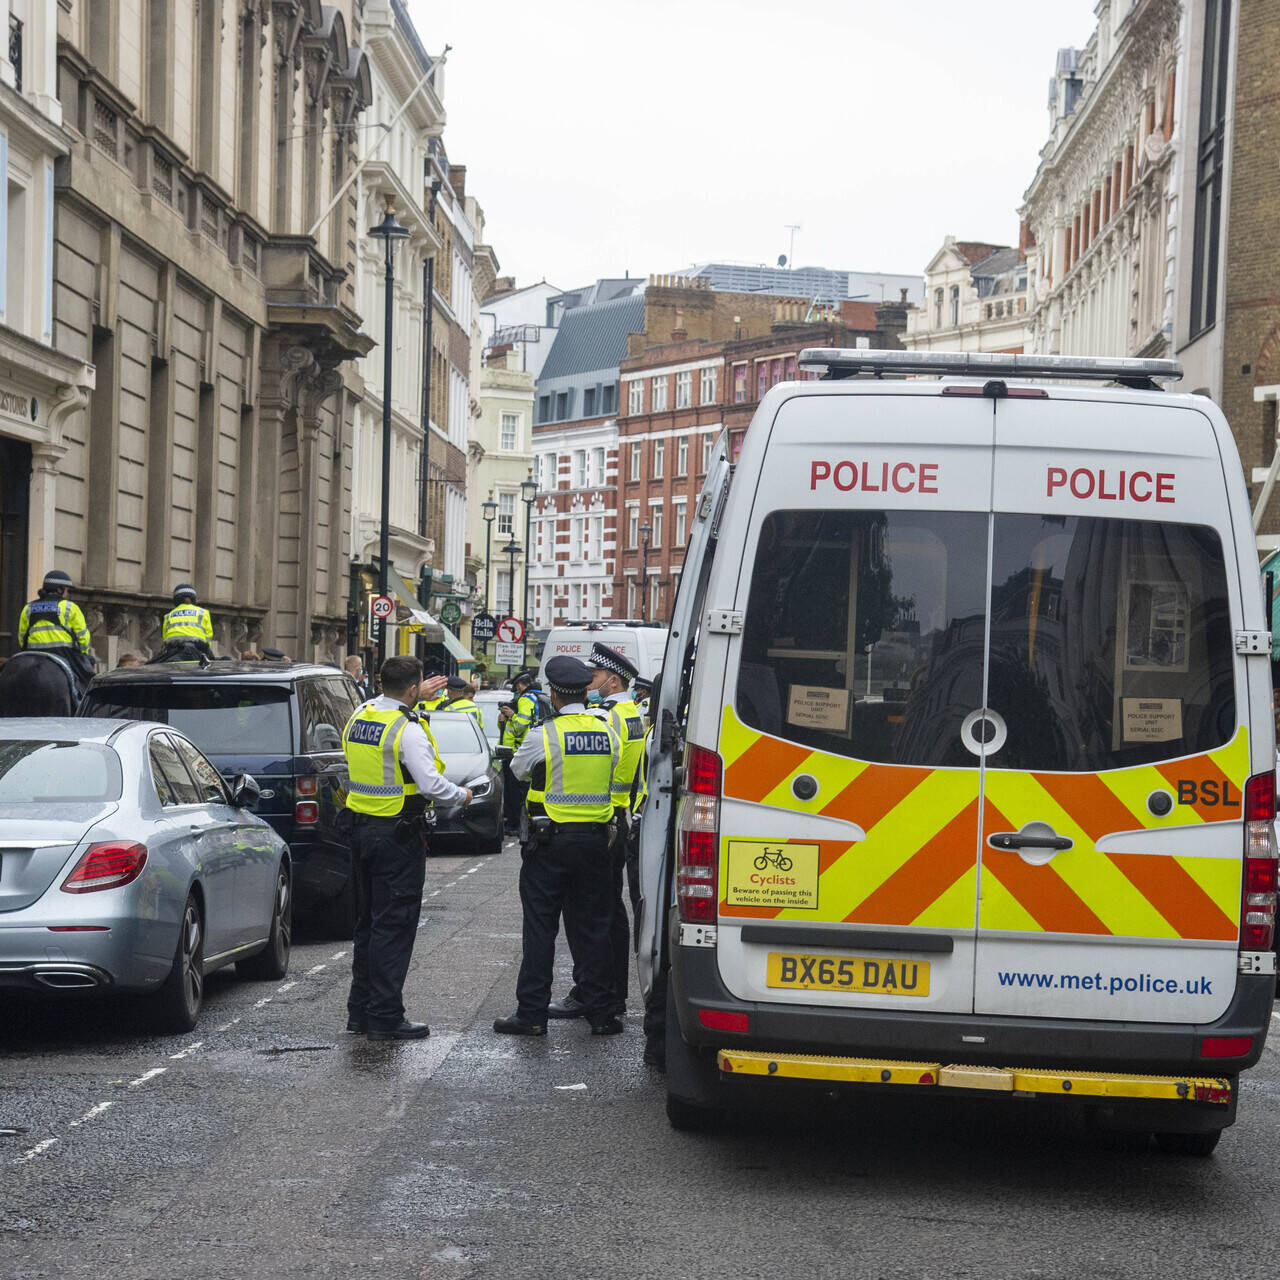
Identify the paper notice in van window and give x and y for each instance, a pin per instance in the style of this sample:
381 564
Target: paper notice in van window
817 708
1151 719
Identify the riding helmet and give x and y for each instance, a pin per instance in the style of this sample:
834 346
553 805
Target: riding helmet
56 580
184 591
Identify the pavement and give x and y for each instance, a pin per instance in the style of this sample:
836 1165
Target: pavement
270 1142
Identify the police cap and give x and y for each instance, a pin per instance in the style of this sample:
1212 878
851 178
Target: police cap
457 685
604 658
567 675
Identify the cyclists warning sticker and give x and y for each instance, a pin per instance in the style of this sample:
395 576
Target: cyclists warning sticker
778 874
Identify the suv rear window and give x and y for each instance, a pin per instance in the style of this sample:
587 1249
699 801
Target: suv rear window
1110 639
221 718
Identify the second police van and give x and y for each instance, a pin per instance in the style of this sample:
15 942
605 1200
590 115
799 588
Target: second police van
963 774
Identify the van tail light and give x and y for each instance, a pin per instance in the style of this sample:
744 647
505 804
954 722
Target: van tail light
306 813
307 785
1258 910
107 865
698 828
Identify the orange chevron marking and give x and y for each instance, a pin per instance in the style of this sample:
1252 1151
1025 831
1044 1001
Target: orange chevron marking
925 876
1175 895
764 764
1203 769
876 791
1043 893
1090 802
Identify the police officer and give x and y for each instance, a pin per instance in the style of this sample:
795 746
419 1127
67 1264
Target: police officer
187 622
514 724
395 773
641 688
53 624
611 675
436 700
460 696
571 763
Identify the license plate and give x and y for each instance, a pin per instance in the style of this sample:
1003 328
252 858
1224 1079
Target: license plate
848 973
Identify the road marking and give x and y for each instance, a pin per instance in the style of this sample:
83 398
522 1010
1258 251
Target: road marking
226 1026
264 1001
434 894
93 1111
337 955
148 1075
38 1149
191 1048
288 986
315 968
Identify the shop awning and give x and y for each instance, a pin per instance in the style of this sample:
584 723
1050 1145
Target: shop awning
435 632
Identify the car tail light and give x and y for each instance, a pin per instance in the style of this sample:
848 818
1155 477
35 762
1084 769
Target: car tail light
306 813
1258 910
698 858
307 785
107 865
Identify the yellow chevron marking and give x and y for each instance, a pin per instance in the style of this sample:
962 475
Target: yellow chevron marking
1219 878
833 773
1132 787
735 737
999 909
955 909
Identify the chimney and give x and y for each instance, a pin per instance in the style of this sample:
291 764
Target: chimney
458 180
891 323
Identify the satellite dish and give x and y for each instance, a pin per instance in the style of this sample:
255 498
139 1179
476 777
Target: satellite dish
782 259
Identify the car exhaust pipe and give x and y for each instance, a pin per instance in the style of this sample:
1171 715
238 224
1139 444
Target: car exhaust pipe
66 979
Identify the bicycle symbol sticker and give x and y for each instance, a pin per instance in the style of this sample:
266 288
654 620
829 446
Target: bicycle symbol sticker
777 874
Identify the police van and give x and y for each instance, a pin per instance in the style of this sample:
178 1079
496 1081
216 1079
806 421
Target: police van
641 643
968 777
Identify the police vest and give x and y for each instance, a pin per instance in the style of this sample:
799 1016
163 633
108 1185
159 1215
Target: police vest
525 716
431 704
187 622
48 624
626 721
371 744
580 753
467 707
642 776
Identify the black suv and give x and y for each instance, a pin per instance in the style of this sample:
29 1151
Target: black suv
280 722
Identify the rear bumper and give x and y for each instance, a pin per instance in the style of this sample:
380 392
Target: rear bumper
321 868
981 1040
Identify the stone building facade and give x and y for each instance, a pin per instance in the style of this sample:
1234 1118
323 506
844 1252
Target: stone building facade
975 299
207 136
1101 213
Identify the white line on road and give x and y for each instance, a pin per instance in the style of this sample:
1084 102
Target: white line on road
288 986
38 1149
264 1001
148 1075
191 1048
337 955
226 1026
93 1111
315 968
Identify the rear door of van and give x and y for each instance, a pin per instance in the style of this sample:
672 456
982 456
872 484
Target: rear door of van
1116 733
850 808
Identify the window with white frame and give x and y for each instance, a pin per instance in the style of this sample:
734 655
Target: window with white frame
510 431
579 468
659 458
708 388
595 538
635 396
575 538
680 529
637 452
633 526
503 601
631 597
655 598
506 514
684 389
595 592
655 520
597 466
708 443
659 395
682 456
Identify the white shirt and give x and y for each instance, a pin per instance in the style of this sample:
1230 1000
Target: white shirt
418 759
530 752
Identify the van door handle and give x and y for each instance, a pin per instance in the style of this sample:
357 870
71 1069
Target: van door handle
1025 840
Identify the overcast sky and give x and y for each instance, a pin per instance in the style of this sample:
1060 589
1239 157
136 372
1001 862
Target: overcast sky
606 136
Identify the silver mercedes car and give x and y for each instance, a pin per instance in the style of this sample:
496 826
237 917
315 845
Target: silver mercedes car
127 864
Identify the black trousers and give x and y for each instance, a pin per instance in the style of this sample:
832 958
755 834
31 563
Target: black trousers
620 945
390 870
571 876
513 794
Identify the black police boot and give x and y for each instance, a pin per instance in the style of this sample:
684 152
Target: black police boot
569 1007
357 1024
610 1026
405 1031
517 1026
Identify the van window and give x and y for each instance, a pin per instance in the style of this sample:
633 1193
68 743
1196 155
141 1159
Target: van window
1111 642
864 632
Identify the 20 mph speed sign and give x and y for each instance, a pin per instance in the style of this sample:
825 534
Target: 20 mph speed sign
511 630
382 606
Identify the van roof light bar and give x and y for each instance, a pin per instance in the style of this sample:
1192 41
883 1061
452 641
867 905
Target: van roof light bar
845 362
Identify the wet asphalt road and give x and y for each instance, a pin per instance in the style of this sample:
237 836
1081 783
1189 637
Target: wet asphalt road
270 1143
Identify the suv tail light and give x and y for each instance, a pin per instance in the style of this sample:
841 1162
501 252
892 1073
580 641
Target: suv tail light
307 785
106 866
1258 910
306 813
698 827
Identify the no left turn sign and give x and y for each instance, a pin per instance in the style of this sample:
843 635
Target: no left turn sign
511 630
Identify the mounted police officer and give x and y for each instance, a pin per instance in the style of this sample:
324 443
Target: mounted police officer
611 675
53 624
395 775
187 624
571 763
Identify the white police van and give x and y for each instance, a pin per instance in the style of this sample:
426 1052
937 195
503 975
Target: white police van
964 769
641 643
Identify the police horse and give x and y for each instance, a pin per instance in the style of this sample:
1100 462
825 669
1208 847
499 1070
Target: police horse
37 683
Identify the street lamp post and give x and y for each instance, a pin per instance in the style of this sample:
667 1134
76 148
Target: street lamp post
528 493
512 551
390 232
645 531
490 510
